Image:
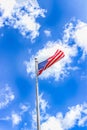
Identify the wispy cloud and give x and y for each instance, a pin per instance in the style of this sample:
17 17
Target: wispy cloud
16 119
43 104
43 108
76 116
21 15
24 108
7 118
25 127
6 96
34 119
16 116
47 33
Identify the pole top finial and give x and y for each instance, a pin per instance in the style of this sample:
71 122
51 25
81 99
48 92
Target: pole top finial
35 58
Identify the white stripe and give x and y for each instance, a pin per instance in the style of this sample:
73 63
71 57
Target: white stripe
54 55
56 58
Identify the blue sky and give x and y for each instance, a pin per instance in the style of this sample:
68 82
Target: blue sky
36 28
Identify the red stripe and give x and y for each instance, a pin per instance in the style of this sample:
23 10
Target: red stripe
56 53
55 60
53 63
53 55
40 71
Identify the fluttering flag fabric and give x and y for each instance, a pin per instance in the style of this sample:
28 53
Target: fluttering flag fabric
50 61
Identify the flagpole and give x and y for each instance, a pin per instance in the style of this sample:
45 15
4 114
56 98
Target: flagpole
37 96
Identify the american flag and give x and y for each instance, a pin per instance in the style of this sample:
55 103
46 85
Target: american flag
50 61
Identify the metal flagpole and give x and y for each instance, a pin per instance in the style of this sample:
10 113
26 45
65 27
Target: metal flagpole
37 96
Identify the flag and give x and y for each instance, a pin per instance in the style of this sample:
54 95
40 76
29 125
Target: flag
50 61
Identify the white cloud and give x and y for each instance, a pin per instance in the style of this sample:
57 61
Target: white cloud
68 32
21 15
83 121
77 32
43 107
6 96
80 37
51 124
59 69
6 9
47 32
16 119
74 117
34 119
43 104
24 108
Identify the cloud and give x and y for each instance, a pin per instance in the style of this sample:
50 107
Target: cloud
22 16
16 119
76 116
77 31
24 108
6 96
73 116
80 37
43 108
47 32
51 124
43 104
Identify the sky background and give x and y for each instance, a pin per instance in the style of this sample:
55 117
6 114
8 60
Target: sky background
37 28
